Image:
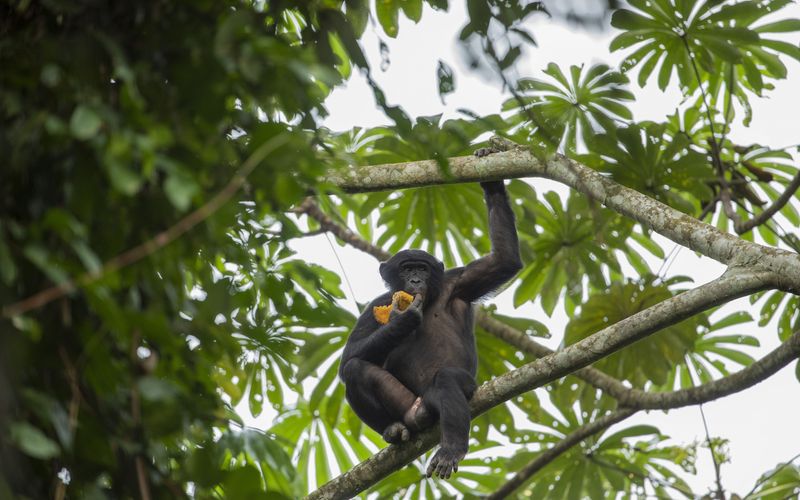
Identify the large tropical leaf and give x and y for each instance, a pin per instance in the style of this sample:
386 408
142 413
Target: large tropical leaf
574 108
713 353
571 246
645 158
650 360
698 40
625 460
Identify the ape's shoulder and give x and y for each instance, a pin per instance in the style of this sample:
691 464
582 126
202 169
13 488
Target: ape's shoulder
453 272
451 276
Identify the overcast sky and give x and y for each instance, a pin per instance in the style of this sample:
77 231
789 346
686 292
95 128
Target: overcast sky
761 423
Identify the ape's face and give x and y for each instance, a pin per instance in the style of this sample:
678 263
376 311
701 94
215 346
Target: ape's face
415 277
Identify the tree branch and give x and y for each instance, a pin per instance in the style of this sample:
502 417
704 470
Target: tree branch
615 388
757 372
670 223
742 227
310 208
525 343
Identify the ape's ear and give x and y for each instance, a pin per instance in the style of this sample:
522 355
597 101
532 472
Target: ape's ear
383 268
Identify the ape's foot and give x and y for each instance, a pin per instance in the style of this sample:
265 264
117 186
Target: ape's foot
417 417
445 462
396 433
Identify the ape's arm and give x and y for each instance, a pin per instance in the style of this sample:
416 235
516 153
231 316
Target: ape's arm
486 274
371 341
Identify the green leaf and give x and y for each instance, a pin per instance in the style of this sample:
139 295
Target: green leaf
84 123
180 188
243 483
444 75
412 9
574 110
124 179
156 390
32 441
782 26
665 351
736 318
387 15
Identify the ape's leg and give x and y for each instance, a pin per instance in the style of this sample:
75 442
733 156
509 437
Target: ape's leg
418 416
448 397
378 398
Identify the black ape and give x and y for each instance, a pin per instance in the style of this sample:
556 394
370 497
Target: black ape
421 365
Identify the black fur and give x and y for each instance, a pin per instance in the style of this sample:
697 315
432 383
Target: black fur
428 351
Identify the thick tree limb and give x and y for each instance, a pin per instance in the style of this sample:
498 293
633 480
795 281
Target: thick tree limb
645 400
612 338
670 223
525 343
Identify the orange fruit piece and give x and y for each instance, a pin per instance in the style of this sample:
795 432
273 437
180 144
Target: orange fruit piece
401 298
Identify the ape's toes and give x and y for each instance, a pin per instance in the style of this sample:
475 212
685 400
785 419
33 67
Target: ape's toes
396 433
444 463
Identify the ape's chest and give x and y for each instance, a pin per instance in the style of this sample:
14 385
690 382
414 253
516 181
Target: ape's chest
442 340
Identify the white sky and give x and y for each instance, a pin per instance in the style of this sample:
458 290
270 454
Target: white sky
760 423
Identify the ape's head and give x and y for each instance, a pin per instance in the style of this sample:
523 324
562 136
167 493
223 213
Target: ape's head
415 272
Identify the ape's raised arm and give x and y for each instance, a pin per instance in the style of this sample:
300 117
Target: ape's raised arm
484 275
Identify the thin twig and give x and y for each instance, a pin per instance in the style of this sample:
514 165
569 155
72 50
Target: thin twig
716 148
74 408
310 208
152 245
708 208
745 226
720 493
728 106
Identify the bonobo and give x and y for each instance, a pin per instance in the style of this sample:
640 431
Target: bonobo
420 365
